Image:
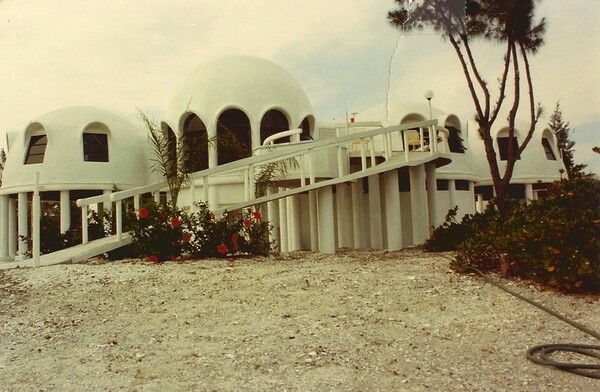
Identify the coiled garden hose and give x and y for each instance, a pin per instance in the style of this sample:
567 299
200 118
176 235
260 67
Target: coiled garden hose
542 354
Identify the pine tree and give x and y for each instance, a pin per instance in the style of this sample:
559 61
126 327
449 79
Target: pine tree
561 130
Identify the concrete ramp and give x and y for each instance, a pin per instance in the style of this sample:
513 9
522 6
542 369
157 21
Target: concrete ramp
74 254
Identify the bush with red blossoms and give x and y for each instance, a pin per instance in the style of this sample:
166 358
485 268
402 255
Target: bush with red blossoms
157 232
161 234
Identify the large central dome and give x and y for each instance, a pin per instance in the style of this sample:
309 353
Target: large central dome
251 84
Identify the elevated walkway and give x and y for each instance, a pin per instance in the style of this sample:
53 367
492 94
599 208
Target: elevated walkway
73 254
331 218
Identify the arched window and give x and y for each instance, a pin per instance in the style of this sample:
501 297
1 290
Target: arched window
305 126
547 143
95 143
171 148
233 136
37 144
414 134
455 141
504 143
194 144
273 122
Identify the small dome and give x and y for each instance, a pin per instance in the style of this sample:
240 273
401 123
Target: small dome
77 148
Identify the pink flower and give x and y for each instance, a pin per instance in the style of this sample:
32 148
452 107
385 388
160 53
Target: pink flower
143 213
175 223
256 215
153 259
222 249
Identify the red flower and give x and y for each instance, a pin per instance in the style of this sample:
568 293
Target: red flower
247 223
153 259
256 215
173 258
143 213
186 237
222 249
175 223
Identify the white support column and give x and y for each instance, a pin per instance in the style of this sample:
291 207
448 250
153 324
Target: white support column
314 221
23 231
529 193
326 220
294 222
344 216
12 227
393 216
375 212
4 227
357 221
418 201
283 228
451 193
108 205
479 203
273 214
65 211
35 219
431 179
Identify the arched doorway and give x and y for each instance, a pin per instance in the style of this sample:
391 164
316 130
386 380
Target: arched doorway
273 122
233 136
194 144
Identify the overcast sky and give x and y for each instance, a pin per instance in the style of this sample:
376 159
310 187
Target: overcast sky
125 55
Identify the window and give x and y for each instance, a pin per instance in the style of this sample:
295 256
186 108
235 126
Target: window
305 126
548 150
442 185
95 147
36 150
233 133
462 185
503 147
195 144
273 122
455 142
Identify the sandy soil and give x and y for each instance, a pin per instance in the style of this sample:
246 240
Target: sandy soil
354 321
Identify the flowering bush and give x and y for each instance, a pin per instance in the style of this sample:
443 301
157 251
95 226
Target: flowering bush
157 232
161 233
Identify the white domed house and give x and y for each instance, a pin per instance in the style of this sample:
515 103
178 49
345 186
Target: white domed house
78 152
539 165
382 182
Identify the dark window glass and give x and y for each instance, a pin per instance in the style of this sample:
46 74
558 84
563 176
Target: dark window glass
404 180
503 147
442 185
37 149
455 142
95 147
305 126
548 150
486 190
516 191
462 185
195 144
233 136
273 122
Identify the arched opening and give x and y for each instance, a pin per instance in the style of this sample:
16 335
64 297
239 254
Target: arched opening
233 136
455 140
305 126
95 143
38 141
548 144
506 145
171 140
194 144
413 134
273 122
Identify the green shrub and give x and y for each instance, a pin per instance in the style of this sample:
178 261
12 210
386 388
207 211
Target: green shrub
161 233
553 241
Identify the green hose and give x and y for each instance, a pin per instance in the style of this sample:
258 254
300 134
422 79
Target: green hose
541 354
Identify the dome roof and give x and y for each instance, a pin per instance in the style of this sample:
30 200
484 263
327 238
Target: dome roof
251 84
63 166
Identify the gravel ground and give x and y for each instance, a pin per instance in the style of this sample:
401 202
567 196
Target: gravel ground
353 321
